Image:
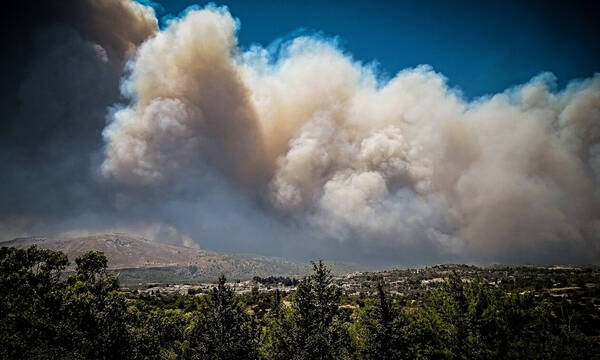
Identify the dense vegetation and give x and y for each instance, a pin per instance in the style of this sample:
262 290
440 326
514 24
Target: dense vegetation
46 313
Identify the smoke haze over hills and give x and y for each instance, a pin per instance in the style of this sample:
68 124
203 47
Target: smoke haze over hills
298 149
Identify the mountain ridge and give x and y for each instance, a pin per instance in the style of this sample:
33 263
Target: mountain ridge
139 260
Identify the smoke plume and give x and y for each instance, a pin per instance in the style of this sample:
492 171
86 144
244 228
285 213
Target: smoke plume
404 162
302 148
62 72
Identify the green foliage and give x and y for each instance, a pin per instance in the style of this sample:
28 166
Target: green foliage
30 302
276 336
316 330
95 312
473 320
222 329
383 325
46 314
43 317
91 264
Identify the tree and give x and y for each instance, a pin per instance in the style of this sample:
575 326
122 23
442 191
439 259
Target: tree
275 340
316 331
95 312
44 317
383 337
30 302
222 329
90 265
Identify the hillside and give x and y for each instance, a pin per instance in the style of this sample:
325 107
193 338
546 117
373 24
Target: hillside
138 260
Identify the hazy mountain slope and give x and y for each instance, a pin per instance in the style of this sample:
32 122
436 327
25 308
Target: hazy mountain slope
139 260
122 250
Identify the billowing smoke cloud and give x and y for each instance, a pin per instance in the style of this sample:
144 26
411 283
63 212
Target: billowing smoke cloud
298 150
191 107
62 70
406 164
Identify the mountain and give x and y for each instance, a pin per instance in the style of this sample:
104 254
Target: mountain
138 260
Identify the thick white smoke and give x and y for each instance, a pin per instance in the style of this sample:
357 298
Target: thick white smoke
397 164
190 106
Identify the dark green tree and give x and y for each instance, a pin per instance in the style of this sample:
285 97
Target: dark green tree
316 331
383 337
30 302
222 329
95 312
275 341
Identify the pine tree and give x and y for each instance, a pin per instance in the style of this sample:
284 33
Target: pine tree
222 329
317 332
383 338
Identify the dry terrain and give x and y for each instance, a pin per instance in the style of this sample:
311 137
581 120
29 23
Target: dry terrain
138 260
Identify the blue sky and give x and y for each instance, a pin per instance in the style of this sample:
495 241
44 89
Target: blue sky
480 46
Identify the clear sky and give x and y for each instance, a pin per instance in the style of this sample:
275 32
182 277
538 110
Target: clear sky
480 46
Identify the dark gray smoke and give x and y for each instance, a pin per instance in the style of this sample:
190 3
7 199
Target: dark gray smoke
62 72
